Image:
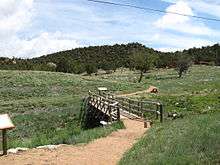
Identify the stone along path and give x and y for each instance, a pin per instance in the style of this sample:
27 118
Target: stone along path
104 151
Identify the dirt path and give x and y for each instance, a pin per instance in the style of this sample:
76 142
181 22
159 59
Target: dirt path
103 151
134 93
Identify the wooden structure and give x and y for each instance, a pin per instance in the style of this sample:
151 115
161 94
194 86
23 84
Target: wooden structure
106 106
5 124
100 89
113 106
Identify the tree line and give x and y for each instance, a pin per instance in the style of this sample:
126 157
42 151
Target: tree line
109 58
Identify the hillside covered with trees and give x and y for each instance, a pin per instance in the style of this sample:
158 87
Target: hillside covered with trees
109 58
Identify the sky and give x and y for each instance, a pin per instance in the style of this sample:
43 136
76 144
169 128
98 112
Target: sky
32 28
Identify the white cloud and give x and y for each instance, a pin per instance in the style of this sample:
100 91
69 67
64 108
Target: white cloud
44 44
173 19
211 7
182 23
169 49
16 15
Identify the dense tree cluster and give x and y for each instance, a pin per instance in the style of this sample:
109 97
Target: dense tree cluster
109 58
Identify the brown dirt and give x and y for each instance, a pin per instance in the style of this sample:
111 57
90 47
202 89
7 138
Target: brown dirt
131 94
103 151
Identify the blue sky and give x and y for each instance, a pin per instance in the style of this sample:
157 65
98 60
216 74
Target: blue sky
31 28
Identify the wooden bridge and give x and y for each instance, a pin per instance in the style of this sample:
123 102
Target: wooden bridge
109 107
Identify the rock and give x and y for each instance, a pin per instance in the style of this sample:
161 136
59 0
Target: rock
152 89
22 149
16 150
104 123
50 147
12 150
175 115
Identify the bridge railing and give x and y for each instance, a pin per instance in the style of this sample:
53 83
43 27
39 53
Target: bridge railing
137 107
106 105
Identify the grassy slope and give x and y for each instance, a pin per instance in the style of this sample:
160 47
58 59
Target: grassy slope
197 92
45 106
192 140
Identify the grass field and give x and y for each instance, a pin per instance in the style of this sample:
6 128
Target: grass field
195 139
192 140
45 106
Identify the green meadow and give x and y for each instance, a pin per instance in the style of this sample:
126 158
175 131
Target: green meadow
45 108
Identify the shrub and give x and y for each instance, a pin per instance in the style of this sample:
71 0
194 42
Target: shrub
90 68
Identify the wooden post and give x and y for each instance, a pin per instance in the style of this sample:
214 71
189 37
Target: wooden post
161 113
145 124
118 113
101 89
5 125
4 141
110 113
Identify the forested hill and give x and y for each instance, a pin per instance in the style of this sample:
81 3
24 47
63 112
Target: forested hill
108 58
105 57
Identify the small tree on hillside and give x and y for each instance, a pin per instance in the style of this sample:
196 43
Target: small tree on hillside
142 61
90 68
183 64
107 67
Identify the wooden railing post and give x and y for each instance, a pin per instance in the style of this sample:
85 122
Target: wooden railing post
161 113
141 106
118 113
110 113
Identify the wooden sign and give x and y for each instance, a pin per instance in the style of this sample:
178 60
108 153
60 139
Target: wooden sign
5 122
102 88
